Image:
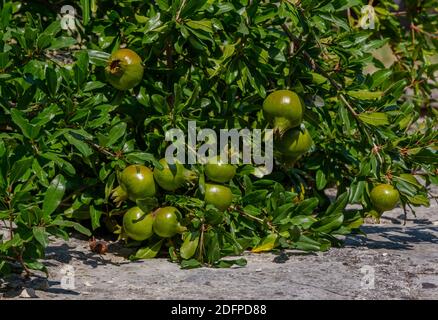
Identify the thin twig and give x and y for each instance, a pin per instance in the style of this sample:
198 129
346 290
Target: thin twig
11 226
248 215
201 244
312 62
419 30
348 105
179 10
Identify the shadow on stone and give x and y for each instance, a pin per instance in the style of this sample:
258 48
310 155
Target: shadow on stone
284 256
64 254
389 237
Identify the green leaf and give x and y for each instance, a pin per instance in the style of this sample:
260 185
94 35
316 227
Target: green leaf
98 58
142 157
62 42
4 60
109 185
317 78
306 206
19 168
365 94
116 133
374 118
82 147
212 248
36 265
380 76
330 223
419 200
321 180
54 194
85 6
204 25
307 244
190 244
41 235
95 217
267 244
424 155
78 227
93 85
29 130
241 262
190 264
357 191
339 205
303 221
6 14
148 252
52 81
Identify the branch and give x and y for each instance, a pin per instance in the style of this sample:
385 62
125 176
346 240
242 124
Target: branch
348 105
333 82
313 63
179 10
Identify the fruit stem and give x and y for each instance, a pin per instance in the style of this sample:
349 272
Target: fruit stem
181 229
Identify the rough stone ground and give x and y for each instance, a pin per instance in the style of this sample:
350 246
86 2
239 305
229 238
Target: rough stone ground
404 260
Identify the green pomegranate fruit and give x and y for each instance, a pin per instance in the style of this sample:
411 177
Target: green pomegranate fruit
124 69
138 225
173 176
166 223
384 197
218 196
293 144
218 171
284 110
136 183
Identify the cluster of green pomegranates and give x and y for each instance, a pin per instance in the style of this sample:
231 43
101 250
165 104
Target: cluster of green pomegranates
284 110
137 182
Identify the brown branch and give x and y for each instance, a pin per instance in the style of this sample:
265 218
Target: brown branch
419 30
348 105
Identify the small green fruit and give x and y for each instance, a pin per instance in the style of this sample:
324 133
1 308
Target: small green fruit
173 176
136 183
124 69
217 171
166 223
137 224
219 196
284 110
384 197
294 143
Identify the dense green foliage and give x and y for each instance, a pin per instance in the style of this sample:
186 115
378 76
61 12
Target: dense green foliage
66 133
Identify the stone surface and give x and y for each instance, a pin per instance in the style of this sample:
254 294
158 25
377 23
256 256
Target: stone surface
402 260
